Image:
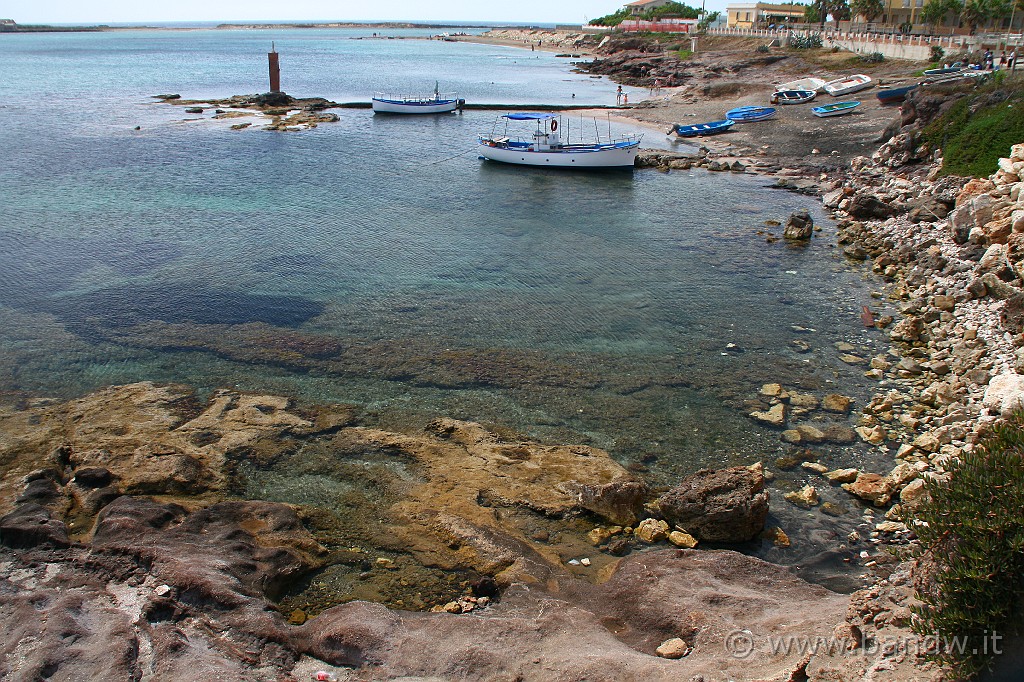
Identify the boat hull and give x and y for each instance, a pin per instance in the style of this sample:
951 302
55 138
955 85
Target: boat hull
894 95
702 129
850 84
750 114
837 109
815 84
792 96
611 156
383 106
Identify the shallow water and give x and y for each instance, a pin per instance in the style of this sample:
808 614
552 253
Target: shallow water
378 261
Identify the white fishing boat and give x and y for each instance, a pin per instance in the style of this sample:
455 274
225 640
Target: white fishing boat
435 103
847 84
815 84
545 147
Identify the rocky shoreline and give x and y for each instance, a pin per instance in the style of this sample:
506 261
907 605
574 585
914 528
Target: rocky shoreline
128 553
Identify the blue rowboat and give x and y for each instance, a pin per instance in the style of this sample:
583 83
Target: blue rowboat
700 129
836 109
792 96
750 114
893 95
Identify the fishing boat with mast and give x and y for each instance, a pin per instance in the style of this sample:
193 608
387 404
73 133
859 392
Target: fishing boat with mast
435 103
546 147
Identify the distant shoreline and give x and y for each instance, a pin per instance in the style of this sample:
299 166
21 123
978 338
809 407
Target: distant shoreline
44 28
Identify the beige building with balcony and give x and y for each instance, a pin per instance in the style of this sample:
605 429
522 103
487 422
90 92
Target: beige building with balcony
762 14
640 6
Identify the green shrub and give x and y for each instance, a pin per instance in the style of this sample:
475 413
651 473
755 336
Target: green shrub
683 55
937 53
763 48
976 131
873 58
806 42
972 528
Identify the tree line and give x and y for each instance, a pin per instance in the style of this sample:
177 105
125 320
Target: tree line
970 14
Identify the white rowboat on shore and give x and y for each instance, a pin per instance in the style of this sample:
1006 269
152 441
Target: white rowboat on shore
815 84
848 84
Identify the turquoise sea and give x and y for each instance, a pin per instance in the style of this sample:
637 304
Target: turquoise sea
378 261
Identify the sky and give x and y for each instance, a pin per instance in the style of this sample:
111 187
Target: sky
91 12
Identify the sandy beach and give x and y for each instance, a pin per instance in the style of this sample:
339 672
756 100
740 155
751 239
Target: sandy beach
729 72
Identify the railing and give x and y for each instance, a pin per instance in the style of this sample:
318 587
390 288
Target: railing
882 36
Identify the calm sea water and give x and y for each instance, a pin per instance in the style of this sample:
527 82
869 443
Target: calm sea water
378 261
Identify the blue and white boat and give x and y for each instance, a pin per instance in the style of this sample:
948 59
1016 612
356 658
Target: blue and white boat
750 114
434 103
836 109
701 129
792 96
545 147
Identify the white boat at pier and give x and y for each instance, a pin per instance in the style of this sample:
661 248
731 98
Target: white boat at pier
435 103
546 148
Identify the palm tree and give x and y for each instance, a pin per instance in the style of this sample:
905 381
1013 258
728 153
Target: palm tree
975 13
839 9
869 9
935 12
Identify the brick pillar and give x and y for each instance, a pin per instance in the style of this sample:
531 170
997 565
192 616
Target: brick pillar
275 71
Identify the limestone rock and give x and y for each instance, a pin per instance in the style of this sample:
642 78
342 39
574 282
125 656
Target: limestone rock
913 494
673 648
681 539
652 530
775 416
799 226
872 488
866 206
810 434
806 497
621 502
842 475
1005 393
725 505
835 402
875 435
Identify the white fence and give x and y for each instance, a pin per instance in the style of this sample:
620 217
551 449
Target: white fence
893 45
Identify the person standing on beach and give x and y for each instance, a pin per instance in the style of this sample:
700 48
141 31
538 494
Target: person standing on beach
618 95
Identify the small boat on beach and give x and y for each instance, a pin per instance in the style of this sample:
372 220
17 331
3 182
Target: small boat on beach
836 109
956 68
815 84
792 96
701 129
848 84
546 147
434 103
750 114
893 95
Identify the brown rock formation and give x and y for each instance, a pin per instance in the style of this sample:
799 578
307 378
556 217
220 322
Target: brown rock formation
727 505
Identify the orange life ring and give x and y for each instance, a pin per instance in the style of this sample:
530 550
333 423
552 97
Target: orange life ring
554 126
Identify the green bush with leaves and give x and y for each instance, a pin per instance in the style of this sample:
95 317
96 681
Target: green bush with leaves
972 528
806 42
979 129
873 58
937 53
